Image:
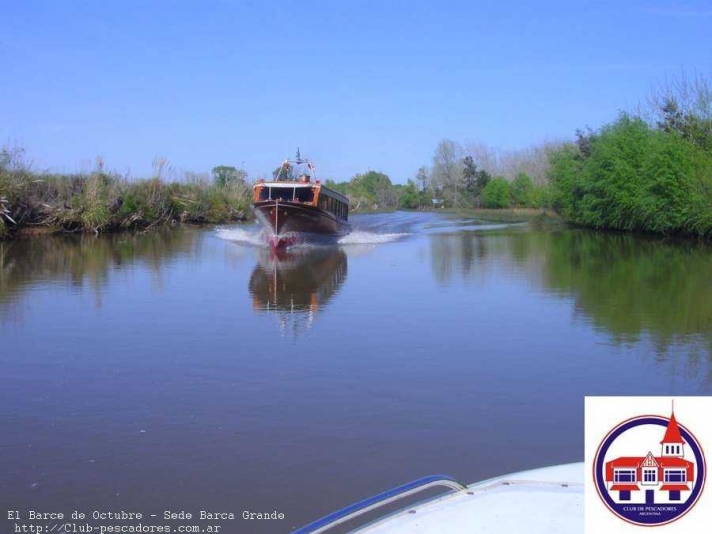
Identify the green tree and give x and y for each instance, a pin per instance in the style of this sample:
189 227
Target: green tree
341 187
522 191
224 174
410 197
374 187
684 105
469 175
483 178
496 194
565 168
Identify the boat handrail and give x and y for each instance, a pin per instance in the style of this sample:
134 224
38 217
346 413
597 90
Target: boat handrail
359 508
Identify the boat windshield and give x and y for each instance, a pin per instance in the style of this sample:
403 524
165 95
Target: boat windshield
298 193
296 170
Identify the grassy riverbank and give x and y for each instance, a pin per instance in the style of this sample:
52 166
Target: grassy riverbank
102 202
510 214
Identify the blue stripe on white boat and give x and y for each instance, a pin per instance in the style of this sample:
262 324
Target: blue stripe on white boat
548 500
354 510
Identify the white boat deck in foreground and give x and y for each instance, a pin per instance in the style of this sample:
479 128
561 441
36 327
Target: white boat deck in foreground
548 500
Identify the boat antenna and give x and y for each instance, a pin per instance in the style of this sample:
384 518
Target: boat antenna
299 156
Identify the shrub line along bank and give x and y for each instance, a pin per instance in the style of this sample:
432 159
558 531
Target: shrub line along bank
103 202
630 176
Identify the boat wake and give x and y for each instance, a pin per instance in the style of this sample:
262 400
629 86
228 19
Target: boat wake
259 238
362 237
254 237
369 230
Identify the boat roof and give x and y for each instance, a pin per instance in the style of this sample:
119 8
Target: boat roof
284 183
542 500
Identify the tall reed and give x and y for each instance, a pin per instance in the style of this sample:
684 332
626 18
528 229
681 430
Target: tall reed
102 201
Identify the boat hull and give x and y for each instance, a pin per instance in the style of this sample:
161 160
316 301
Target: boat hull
285 221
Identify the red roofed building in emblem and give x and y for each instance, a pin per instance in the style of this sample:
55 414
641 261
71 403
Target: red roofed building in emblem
663 478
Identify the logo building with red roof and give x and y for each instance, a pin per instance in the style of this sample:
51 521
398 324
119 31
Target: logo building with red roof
653 479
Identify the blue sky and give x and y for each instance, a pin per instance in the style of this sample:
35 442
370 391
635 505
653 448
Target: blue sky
357 85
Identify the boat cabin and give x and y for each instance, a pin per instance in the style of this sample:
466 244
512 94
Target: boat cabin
294 183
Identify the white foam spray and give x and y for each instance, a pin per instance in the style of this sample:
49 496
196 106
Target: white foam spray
361 237
253 237
256 238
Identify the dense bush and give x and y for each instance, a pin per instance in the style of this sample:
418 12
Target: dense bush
369 191
496 194
522 191
630 176
409 197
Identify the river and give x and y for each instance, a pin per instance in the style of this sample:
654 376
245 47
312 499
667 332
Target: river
192 369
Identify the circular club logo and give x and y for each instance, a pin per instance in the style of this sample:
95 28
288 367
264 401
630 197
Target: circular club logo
649 470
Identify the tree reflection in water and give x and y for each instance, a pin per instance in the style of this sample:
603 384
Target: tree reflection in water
86 260
627 286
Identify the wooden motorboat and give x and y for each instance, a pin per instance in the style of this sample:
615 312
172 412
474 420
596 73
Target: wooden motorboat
295 206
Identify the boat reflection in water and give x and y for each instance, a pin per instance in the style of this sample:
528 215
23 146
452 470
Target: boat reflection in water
297 283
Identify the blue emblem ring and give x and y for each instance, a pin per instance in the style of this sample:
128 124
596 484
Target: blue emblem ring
634 516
